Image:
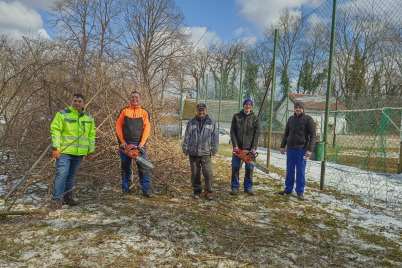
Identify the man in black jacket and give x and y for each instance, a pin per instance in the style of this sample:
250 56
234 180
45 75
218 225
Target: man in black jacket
244 133
299 138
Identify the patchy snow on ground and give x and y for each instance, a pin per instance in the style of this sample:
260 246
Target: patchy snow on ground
367 184
328 229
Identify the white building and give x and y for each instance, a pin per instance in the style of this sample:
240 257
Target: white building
315 107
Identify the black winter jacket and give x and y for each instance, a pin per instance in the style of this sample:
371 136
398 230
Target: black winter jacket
245 130
299 133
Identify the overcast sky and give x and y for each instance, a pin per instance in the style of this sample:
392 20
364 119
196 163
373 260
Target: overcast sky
222 19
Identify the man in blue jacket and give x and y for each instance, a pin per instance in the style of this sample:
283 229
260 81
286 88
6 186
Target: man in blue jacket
201 140
299 138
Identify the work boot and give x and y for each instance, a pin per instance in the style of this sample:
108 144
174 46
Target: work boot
250 193
125 192
300 197
196 195
208 196
54 205
70 201
284 193
233 192
148 194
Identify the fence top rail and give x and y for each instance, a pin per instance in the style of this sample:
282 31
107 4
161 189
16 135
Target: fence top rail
365 110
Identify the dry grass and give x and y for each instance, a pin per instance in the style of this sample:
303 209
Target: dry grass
174 230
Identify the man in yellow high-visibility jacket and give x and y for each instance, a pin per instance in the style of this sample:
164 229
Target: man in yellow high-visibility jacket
73 137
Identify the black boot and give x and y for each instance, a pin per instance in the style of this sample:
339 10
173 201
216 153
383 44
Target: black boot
70 201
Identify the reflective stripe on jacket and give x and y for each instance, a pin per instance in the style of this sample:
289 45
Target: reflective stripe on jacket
199 142
73 132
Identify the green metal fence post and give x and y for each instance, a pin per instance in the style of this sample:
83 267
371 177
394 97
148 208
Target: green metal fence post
220 98
331 55
241 82
399 171
206 90
181 114
271 111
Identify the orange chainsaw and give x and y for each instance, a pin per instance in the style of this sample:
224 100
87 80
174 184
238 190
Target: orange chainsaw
249 158
135 153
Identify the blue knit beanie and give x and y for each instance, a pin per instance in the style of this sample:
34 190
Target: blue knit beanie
248 100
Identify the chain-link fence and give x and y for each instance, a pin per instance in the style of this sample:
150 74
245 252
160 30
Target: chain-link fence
363 150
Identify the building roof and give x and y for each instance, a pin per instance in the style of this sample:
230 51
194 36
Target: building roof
316 102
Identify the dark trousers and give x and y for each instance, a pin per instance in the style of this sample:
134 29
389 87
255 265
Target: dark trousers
197 163
143 172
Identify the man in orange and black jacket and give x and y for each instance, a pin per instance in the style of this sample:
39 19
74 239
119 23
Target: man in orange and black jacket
133 127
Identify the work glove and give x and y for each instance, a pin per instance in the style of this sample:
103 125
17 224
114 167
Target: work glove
56 154
89 157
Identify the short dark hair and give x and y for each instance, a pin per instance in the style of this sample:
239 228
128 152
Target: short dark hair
79 95
135 92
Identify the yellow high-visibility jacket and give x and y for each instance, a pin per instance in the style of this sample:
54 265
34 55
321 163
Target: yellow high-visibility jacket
73 132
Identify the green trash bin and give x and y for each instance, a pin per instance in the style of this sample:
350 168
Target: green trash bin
318 152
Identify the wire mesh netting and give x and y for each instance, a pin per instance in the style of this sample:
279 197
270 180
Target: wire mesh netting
364 126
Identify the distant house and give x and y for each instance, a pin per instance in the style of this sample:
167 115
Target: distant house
315 107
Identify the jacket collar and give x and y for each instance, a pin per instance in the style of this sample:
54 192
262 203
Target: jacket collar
298 116
73 110
251 112
134 107
205 119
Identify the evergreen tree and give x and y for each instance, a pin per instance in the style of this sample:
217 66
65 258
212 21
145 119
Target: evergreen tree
285 83
250 79
308 82
357 72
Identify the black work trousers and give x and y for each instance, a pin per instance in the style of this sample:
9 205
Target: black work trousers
197 164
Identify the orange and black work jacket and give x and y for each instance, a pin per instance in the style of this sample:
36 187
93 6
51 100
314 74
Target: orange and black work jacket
133 125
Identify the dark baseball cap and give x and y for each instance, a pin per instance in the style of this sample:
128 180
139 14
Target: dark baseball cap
201 106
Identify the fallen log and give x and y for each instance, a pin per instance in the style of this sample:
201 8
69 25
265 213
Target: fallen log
22 212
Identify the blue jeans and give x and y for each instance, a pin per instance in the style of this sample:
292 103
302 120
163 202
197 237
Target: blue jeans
295 161
66 167
143 172
248 177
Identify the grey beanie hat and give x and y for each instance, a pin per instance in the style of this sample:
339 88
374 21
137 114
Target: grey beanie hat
300 104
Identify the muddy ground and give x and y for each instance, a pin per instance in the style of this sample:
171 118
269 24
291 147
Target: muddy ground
172 229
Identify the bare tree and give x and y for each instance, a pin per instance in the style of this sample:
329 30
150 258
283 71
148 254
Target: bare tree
154 40
313 60
290 33
76 21
227 59
199 63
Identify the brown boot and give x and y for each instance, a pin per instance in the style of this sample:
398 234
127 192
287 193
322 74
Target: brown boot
54 205
70 201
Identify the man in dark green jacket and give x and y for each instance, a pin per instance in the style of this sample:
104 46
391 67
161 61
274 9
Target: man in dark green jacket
244 132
